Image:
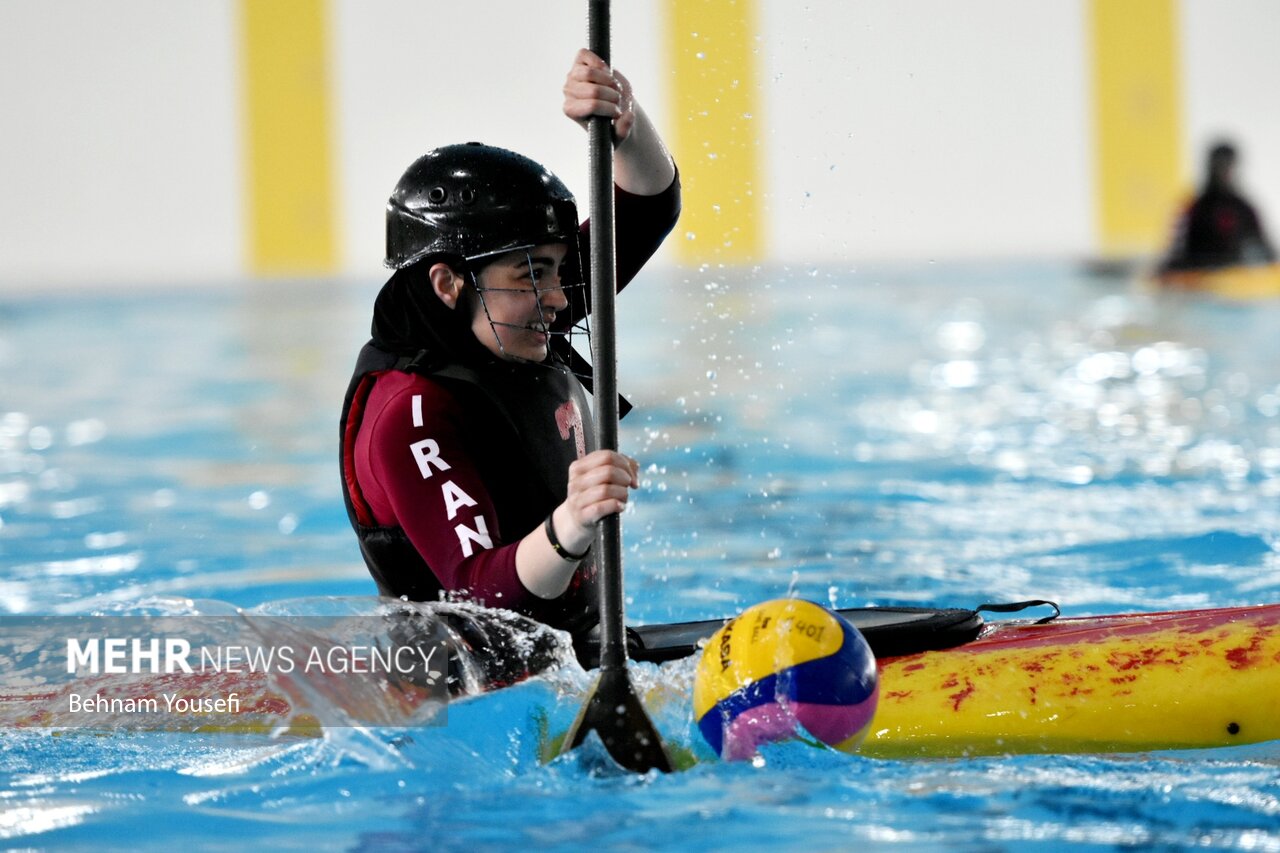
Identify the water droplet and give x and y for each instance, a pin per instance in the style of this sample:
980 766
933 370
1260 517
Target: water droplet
40 438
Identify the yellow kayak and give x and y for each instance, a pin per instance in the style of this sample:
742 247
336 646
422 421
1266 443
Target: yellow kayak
1243 282
1129 683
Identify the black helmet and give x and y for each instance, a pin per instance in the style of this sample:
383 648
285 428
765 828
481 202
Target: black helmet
473 200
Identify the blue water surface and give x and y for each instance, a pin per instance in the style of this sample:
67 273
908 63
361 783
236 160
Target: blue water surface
942 435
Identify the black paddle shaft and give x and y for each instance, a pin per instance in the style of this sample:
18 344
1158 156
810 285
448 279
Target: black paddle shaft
613 650
612 709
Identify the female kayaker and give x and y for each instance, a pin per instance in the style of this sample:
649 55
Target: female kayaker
467 452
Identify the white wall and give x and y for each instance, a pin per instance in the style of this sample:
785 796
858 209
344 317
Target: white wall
894 129
119 151
928 128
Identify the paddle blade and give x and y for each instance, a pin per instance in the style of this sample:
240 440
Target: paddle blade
613 711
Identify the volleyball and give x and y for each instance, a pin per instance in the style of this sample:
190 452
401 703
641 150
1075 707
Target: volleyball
780 669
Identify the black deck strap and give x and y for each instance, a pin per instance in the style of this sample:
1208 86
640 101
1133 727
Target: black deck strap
890 631
898 631
1017 606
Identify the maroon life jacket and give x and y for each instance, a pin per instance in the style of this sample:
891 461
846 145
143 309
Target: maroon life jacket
515 421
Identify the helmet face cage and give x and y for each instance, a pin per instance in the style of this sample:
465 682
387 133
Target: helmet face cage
573 288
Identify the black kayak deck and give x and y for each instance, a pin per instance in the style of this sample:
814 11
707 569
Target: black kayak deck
890 631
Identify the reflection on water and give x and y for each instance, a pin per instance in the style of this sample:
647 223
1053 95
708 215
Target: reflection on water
174 444
884 437
895 436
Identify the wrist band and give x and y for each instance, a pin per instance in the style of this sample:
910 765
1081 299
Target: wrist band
557 547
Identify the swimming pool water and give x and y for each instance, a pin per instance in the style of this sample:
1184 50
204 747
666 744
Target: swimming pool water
931 435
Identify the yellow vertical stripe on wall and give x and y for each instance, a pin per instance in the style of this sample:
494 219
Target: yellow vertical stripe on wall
715 131
1137 121
284 60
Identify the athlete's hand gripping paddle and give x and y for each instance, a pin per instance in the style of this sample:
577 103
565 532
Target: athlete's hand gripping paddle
612 709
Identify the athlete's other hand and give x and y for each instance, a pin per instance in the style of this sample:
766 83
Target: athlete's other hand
591 88
600 484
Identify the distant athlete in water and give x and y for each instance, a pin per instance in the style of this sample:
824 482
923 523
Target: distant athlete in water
1220 228
467 451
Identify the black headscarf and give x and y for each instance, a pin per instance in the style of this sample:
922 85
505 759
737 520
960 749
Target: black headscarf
409 319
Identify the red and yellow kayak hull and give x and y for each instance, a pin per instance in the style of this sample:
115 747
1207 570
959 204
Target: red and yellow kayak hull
1177 680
